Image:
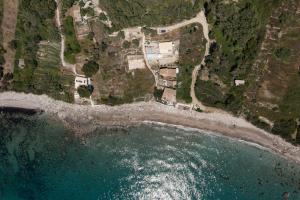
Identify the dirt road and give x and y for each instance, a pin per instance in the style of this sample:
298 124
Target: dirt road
62 49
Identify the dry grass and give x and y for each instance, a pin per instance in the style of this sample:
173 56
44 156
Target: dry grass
9 21
278 76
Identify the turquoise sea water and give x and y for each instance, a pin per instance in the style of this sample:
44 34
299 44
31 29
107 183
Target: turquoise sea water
40 160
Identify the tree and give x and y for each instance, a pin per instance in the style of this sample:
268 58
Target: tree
282 53
136 42
284 127
83 91
102 17
90 68
126 44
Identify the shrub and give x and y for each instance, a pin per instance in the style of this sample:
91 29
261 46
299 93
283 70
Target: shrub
284 127
136 42
84 91
90 68
121 34
102 17
126 44
72 45
158 93
282 53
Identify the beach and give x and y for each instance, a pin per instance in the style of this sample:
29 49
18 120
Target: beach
84 119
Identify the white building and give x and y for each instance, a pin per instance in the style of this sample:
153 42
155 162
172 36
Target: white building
81 80
239 82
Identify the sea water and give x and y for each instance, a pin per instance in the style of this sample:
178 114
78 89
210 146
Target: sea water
41 160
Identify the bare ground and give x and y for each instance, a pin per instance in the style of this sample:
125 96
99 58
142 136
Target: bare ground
9 22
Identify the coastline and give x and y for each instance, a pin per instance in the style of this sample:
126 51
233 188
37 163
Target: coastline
85 119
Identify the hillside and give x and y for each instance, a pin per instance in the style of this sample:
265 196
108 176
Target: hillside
115 52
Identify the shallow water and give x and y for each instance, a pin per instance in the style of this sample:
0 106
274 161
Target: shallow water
39 159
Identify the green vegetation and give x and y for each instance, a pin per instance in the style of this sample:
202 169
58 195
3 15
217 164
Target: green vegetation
238 29
41 74
191 51
149 12
102 17
72 45
84 91
149 31
66 4
290 105
284 128
48 54
158 94
126 44
282 53
207 91
90 68
136 43
87 11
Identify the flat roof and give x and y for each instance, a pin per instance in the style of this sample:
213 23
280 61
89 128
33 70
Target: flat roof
81 80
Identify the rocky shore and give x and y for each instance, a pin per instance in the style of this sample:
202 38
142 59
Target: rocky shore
84 119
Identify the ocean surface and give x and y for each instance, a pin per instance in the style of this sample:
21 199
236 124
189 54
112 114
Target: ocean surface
41 160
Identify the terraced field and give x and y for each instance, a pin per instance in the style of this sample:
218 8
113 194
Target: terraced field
274 91
48 54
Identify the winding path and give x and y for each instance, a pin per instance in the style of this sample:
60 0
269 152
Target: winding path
201 19
66 65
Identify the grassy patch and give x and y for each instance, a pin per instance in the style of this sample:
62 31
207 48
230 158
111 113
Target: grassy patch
49 54
41 74
282 53
209 93
72 45
192 50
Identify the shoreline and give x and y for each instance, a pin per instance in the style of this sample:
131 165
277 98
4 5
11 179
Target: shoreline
84 119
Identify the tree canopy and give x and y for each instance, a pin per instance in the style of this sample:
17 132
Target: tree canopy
90 68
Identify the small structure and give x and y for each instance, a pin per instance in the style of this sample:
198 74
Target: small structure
82 80
167 73
169 96
239 82
21 63
136 62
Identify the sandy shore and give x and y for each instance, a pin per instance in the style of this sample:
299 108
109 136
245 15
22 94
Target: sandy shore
86 118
